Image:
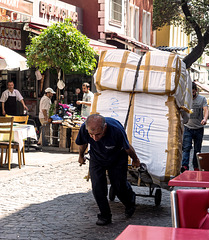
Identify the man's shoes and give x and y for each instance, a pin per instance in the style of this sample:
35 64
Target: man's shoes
184 168
196 169
103 221
130 211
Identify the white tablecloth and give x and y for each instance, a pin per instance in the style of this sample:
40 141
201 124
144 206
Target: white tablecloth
20 133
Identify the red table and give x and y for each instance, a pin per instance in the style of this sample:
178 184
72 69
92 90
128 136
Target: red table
191 179
138 232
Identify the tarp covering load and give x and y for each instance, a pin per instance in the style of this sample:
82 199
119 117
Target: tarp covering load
154 129
161 100
160 73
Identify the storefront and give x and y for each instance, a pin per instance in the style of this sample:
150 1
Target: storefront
18 20
13 14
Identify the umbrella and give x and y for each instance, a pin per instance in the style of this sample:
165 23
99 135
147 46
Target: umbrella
10 60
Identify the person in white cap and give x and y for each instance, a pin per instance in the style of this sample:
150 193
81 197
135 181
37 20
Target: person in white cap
44 107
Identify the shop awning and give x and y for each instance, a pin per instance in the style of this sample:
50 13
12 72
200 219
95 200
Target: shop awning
96 45
34 28
171 49
100 46
127 41
202 86
10 60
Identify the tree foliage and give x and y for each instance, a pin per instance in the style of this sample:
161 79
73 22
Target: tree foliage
61 46
192 15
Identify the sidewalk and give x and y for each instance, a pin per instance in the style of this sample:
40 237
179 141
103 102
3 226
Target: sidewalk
50 199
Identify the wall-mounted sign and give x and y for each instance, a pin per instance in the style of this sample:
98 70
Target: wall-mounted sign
20 6
55 11
207 64
9 16
10 37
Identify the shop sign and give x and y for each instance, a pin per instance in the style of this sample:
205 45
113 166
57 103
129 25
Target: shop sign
9 16
55 11
20 6
10 37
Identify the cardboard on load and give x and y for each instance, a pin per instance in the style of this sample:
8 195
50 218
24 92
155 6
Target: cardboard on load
154 129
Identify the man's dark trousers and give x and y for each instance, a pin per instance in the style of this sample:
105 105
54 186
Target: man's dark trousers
117 174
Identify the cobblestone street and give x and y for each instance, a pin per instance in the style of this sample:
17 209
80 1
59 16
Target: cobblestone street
50 199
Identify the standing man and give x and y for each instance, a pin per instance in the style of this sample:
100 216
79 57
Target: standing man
44 107
194 129
109 150
9 100
86 101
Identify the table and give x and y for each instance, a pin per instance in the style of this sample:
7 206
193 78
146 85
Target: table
139 232
20 133
191 179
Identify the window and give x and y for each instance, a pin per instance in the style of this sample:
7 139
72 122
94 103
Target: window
134 22
116 10
146 24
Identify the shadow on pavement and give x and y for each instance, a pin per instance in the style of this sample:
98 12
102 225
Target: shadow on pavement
73 216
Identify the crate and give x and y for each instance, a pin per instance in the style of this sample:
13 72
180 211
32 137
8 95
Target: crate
73 146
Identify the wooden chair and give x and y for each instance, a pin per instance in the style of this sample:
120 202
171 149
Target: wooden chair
203 161
189 208
6 126
21 120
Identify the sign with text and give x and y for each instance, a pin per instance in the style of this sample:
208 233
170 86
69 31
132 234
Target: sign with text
21 6
57 12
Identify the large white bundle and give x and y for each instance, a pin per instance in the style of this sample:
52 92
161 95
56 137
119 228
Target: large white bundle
154 129
160 73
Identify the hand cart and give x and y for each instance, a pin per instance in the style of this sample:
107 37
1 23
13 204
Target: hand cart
137 177
140 177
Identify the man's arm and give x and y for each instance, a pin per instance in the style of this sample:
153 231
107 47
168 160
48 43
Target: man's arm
23 103
131 152
83 102
82 149
44 111
204 121
3 109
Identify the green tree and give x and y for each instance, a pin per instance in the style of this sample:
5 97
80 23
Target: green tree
63 47
193 15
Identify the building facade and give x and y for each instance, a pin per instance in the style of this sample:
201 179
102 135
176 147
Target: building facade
125 24
109 24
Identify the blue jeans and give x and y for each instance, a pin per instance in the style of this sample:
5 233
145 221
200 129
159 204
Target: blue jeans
191 134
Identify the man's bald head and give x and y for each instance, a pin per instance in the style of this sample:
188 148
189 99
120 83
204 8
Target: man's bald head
95 121
96 126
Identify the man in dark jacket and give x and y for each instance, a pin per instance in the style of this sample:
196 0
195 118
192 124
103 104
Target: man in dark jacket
109 150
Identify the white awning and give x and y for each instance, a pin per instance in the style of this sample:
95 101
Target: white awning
202 86
100 46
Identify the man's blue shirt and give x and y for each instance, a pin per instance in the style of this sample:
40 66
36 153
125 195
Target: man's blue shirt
110 147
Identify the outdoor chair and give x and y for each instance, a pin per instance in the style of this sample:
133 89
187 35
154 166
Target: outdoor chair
6 126
190 208
203 161
21 120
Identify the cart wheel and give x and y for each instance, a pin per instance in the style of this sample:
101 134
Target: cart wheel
111 194
158 195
